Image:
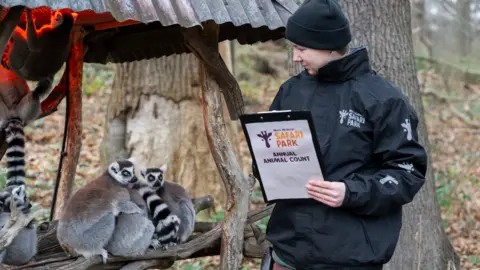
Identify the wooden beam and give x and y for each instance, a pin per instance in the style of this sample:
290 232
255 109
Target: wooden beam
198 43
237 185
74 128
8 24
51 256
114 24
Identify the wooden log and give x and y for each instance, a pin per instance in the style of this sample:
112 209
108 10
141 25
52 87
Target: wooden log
207 244
49 248
74 129
207 51
237 185
8 24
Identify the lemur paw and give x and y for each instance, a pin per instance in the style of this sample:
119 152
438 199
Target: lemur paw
155 244
104 254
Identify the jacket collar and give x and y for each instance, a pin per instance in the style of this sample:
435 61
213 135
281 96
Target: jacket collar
356 63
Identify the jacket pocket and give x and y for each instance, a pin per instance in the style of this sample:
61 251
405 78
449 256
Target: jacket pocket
341 240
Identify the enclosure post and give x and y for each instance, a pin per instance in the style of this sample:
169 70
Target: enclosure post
237 186
74 128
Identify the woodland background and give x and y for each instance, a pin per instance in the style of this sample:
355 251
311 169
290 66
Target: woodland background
446 36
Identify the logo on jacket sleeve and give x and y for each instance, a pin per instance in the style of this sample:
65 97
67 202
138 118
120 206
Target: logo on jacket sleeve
406 166
407 128
388 179
351 118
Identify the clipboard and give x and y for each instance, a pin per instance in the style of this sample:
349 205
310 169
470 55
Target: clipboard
285 150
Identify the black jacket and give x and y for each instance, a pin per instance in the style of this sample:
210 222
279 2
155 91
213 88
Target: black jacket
367 132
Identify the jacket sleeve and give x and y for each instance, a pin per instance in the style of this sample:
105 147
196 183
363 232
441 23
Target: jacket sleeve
403 163
276 105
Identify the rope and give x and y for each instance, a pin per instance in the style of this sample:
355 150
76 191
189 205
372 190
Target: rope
63 153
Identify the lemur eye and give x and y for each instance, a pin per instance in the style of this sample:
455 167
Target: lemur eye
126 173
151 178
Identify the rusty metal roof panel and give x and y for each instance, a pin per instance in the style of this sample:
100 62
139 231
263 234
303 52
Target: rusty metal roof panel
247 21
186 13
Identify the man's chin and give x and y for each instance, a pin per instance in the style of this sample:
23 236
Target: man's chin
311 72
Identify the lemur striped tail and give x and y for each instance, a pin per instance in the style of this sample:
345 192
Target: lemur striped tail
166 224
15 138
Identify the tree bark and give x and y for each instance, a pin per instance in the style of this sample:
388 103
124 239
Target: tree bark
155 114
384 26
464 24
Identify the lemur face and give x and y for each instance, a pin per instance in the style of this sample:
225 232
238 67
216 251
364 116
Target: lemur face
19 195
123 172
154 176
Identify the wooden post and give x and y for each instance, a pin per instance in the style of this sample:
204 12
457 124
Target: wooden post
217 67
74 129
212 71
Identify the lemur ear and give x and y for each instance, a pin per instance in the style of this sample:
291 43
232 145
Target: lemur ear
143 172
163 168
133 160
114 167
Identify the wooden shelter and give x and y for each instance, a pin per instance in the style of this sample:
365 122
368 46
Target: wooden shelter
128 30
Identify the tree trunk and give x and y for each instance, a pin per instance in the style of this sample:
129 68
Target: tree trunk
464 24
155 115
384 26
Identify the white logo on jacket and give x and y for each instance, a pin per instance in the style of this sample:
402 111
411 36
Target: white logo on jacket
388 179
406 166
407 127
351 118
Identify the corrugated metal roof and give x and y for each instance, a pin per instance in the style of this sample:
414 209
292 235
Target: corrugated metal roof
248 21
186 13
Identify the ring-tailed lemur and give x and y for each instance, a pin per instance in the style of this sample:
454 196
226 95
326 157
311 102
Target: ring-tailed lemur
166 224
176 197
88 221
15 159
24 246
16 99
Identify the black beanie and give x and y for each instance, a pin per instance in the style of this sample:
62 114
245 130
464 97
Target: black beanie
319 24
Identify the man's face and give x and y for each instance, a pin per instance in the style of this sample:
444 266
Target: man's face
311 59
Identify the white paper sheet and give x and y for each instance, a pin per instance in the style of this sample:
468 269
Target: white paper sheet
285 156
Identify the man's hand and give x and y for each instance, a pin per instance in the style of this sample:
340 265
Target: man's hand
329 193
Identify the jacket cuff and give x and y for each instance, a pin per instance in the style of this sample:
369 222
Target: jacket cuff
346 199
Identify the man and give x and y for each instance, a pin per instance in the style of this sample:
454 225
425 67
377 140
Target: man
367 133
